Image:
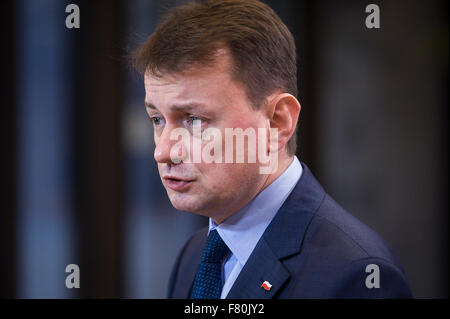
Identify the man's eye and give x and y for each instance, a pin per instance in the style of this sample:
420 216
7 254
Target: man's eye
155 120
192 119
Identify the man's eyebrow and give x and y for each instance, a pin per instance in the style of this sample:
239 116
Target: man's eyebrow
181 107
188 107
150 105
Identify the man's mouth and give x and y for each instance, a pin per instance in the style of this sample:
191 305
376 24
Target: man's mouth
177 183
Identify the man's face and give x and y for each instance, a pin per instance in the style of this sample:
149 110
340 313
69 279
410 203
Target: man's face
210 95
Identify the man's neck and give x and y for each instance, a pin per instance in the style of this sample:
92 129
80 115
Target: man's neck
283 163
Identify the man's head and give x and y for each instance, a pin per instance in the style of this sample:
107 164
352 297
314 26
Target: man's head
230 64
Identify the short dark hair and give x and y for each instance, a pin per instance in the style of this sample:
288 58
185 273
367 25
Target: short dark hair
262 48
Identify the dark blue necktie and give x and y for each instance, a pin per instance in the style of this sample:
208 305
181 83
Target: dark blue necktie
208 280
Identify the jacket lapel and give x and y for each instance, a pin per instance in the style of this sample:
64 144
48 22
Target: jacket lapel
282 238
262 266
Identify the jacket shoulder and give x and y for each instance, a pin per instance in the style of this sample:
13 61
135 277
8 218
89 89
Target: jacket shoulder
348 235
340 253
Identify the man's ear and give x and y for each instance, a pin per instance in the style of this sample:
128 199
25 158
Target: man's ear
283 111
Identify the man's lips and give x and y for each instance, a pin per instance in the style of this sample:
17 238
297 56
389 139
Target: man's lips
177 183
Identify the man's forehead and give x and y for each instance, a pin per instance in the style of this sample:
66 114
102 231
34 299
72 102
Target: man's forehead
160 90
219 66
187 93
178 97
151 80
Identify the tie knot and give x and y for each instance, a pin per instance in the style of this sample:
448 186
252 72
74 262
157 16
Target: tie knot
215 248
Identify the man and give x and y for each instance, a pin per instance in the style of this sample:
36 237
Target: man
228 65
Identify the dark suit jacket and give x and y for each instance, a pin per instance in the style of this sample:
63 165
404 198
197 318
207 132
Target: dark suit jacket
313 248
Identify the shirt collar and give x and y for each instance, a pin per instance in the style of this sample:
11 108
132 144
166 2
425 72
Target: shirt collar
242 231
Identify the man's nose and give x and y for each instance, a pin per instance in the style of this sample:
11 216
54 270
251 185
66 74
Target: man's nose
165 150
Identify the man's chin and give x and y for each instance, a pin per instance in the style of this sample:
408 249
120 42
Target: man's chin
179 202
188 206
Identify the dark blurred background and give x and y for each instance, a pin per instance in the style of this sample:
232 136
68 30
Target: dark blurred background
78 175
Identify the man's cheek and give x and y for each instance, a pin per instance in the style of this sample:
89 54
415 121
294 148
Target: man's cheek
208 179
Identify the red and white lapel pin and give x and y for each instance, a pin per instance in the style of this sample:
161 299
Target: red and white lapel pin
266 285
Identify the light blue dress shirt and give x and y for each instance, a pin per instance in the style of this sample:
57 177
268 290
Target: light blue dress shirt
242 231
